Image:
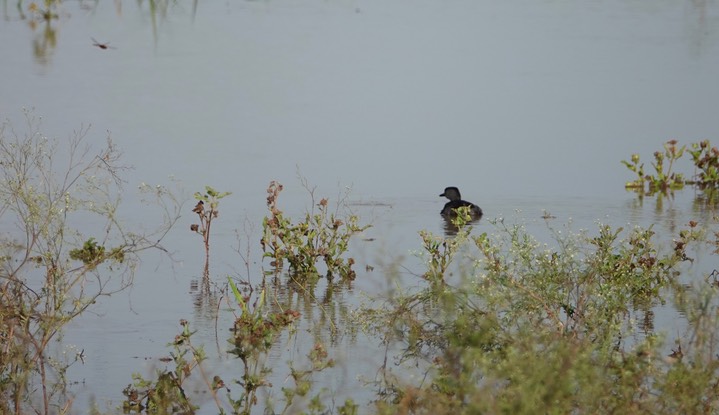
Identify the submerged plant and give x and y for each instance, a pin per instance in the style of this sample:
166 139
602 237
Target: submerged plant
47 14
321 236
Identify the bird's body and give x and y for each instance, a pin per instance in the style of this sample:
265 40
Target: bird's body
455 201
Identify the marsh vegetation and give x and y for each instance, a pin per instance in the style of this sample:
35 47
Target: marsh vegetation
498 322
570 295
63 247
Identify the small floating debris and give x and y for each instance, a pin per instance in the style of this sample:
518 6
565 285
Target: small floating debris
547 216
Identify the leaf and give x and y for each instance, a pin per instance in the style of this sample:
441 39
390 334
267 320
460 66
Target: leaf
680 152
629 166
238 295
262 300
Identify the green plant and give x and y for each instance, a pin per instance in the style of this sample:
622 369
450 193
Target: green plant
706 163
706 160
254 331
440 251
636 167
257 327
320 236
45 188
538 328
167 394
92 253
302 379
207 210
662 180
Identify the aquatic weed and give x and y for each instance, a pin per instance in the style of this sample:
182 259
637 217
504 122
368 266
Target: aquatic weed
664 178
320 236
706 161
52 272
540 328
207 210
705 158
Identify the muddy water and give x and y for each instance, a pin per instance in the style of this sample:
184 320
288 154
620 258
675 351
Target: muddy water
527 106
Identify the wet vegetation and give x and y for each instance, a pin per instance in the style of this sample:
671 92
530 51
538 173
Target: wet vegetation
44 19
255 331
505 324
497 322
207 210
321 236
54 265
525 327
665 178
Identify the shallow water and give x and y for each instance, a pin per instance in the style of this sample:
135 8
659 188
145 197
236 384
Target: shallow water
526 106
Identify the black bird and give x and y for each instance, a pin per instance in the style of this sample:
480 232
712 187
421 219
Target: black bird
455 201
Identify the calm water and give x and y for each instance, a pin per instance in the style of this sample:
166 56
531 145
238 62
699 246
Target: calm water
527 106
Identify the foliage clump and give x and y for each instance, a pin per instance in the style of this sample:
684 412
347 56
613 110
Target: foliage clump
93 253
256 329
321 236
704 156
530 328
706 160
46 187
167 394
500 324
